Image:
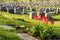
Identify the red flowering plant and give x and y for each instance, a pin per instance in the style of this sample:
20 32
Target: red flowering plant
43 30
45 19
39 15
35 17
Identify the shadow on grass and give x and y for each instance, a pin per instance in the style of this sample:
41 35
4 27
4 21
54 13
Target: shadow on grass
55 19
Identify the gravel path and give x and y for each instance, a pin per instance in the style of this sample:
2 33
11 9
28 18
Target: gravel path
25 36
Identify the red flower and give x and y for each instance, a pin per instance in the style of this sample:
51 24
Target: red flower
30 23
44 19
36 17
39 15
52 21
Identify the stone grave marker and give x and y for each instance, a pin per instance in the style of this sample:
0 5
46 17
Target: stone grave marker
49 15
3 8
32 14
17 10
41 11
51 9
24 10
11 9
47 10
33 9
58 11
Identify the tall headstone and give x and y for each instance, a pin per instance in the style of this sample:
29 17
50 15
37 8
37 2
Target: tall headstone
32 14
41 11
49 15
11 9
24 10
47 10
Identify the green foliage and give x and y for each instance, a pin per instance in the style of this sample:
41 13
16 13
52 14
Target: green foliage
43 31
7 35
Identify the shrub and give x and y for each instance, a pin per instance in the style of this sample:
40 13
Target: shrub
43 31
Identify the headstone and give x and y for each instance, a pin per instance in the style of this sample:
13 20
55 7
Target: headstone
3 8
51 9
17 10
47 10
49 15
58 11
32 14
33 8
11 9
42 10
24 10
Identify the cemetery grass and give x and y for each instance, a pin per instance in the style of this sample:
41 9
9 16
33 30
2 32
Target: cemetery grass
13 23
8 35
26 18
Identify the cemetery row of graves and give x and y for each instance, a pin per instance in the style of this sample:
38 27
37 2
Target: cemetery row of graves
32 20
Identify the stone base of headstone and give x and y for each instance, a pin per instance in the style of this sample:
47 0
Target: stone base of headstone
49 15
32 14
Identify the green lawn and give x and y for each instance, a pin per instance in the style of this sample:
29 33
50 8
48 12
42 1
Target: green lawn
27 18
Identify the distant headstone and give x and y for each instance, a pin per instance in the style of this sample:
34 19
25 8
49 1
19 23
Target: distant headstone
51 9
41 11
58 11
3 8
11 9
32 14
24 10
33 8
47 10
49 15
17 10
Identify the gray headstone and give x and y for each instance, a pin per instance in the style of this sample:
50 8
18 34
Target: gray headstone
32 14
33 8
51 9
49 15
17 10
58 11
11 9
24 10
47 10
3 8
42 10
